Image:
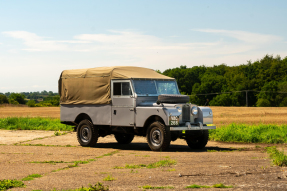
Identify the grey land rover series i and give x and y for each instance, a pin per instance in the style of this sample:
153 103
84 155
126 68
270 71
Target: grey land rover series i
128 101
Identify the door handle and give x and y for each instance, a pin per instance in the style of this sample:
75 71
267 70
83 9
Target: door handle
131 109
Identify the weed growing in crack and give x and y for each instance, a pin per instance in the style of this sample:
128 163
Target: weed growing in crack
31 177
58 133
161 163
109 178
97 187
220 185
156 187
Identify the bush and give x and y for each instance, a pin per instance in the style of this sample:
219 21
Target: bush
284 102
31 103
14 102
224 100
194 99
263 103
15 97
3 99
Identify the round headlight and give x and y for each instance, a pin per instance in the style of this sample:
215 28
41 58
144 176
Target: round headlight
179 109
194 110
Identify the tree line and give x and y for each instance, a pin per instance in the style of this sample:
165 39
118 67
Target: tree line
267 77
32 99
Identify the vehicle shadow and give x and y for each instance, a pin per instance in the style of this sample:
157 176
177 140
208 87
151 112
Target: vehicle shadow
172 147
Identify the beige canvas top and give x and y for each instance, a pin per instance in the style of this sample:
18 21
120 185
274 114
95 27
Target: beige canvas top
92 85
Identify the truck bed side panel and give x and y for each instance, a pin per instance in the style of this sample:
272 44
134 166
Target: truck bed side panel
100 114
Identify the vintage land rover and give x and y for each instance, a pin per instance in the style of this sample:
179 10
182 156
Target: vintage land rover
128 101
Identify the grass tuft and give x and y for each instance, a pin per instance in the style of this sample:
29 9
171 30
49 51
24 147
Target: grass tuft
156 187
197 186
162 163
31 177
278 157
97 187
7 184
58 133
109 178
220 185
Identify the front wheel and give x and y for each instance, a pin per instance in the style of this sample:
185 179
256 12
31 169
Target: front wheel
198 142
123 138
158 136
87 134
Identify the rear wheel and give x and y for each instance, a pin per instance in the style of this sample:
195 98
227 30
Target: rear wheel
87 134
123 138
158 136
198 142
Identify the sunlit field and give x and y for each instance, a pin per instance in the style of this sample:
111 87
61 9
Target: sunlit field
222 115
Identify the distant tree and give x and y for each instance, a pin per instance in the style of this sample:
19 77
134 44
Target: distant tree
16 97
31 103
3 99
269 92
263 103
224 100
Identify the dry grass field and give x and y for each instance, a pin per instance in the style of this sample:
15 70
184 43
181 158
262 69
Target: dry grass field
222 115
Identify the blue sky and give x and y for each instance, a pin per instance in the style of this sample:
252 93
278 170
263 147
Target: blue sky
39 39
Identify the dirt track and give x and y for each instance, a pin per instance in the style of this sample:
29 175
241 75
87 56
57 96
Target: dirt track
246 166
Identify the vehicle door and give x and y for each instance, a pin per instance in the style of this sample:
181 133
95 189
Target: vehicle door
123 110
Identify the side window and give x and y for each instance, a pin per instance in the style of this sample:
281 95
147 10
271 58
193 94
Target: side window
117 88
122 88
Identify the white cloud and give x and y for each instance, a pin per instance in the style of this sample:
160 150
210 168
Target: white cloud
37 43
135 48
244 36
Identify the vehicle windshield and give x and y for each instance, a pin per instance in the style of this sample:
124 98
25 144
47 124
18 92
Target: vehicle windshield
155 87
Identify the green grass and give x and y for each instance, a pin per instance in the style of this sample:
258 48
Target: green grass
197 186
156 187
161 163
31 177
49 162
33 123
42 145
250 133
108 154
220 185
97 187
58 133
109 178
7 184
278 157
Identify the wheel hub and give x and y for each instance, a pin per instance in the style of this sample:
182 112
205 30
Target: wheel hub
85 134
156 137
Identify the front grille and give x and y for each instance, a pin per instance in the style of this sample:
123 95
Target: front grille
185 113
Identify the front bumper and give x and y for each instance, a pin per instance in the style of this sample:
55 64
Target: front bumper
189 126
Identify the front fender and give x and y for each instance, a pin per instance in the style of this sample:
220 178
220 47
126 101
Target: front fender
205 115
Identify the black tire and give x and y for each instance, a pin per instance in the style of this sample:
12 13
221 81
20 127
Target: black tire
87 133
173 98
158 136
124 138
198 142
